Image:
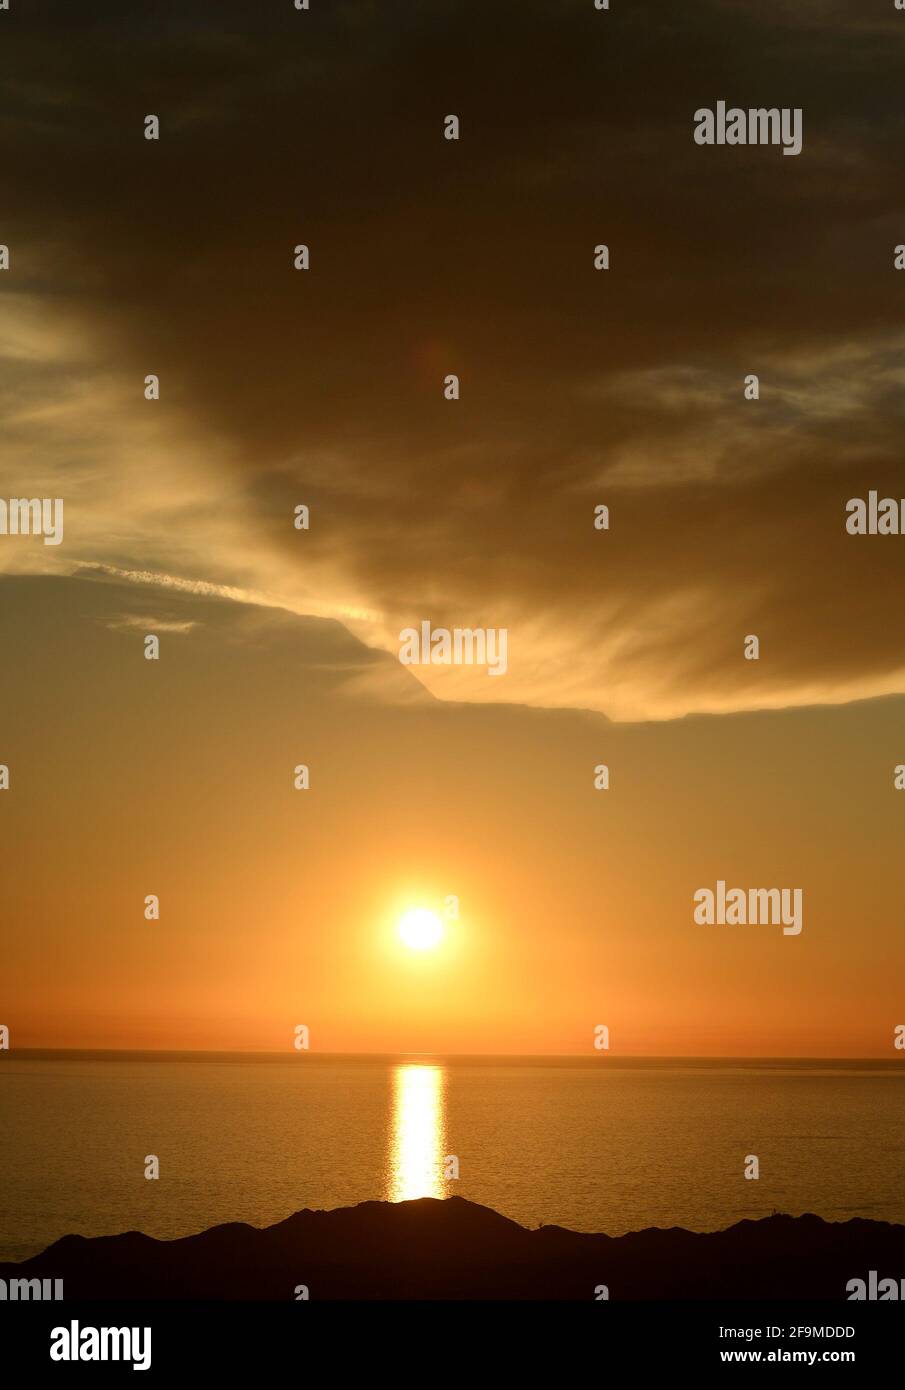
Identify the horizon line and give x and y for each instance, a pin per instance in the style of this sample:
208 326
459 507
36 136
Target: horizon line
424 1053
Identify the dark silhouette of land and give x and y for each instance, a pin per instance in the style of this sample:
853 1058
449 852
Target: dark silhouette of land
455 1249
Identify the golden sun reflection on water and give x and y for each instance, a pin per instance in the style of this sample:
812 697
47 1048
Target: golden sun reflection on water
418 1132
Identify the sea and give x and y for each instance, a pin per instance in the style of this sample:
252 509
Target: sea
594 1144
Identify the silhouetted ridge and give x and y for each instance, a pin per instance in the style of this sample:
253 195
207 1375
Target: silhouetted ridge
456 1249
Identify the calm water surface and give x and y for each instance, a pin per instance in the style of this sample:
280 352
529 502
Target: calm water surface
598 1145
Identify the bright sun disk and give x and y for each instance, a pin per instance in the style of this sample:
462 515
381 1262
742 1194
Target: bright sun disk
420 928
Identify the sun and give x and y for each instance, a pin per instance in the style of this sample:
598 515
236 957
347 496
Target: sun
420 928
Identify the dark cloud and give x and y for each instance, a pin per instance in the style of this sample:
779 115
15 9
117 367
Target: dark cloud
431 257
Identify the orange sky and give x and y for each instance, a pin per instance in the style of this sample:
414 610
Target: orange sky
324 388
279 907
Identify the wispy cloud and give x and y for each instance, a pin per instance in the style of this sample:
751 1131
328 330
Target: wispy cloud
624 387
